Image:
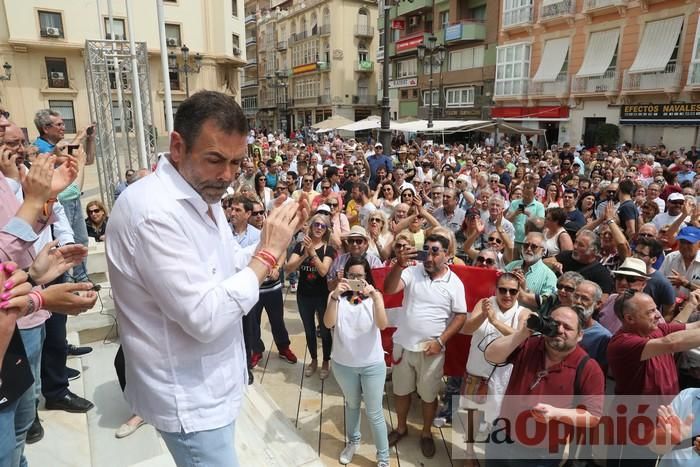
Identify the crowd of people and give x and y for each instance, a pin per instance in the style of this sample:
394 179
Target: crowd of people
593 251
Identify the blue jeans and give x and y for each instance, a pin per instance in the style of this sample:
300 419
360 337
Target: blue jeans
76 217
211 448
358 383
7 426
33 340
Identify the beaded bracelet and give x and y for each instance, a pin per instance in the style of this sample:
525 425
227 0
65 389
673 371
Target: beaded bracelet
264 262
37 299
268 256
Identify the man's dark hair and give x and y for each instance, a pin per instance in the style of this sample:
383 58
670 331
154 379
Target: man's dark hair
244 201
444 242
579 316
655 247
627 187
293 174
363 187
203 106
557 215
332 170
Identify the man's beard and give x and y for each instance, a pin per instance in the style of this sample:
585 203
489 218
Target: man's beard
559 343
530 258
585 312
211 192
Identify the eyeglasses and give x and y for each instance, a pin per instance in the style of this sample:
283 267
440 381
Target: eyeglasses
508 291
531 246
356 276
611 192
355 241
257 213
565 288
5 114
487 261
434 250
57 125
308 181
94 211
319 225
325 188
376 219
495 240
332 205
629 279
645 235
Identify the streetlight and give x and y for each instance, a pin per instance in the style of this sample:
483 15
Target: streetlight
281 82
186 66
8 72
430 55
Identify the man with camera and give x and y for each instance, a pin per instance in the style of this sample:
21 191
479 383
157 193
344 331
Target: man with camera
547 361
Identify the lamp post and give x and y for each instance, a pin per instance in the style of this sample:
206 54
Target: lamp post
8 72
385 131
187 66
281 82
430 55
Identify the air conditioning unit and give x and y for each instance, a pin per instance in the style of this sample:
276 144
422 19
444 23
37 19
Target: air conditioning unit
413 21
53 32
57 75
172 42
236 51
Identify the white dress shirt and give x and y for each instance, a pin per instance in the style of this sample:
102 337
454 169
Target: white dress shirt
181 287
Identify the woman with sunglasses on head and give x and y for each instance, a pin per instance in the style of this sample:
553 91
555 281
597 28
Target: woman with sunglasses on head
491 318
261 190
385 198
379 236
499 241
339 222
96 220
356 314
313 257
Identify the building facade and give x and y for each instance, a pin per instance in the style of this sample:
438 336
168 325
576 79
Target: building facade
313 64
463 83
44 41
567 66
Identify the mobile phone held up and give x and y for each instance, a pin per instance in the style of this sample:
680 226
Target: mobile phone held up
356 285
421 255
71 148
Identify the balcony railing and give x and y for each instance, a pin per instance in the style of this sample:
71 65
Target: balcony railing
297 36
560 9
281 45
558 87
364 66
249 83
323 66
325 29
518 16
324 99
363 30
598 4
252 61
364 99
306 100
250 40
250 18
606 83
669 78
511 88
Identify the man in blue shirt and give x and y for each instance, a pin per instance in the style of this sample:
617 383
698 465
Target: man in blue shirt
377 160
585 300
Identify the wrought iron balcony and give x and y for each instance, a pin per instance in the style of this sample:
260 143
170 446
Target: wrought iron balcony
364 66
364 99
667 80
521 16
363 30
281 45
606 83
561 10
592 5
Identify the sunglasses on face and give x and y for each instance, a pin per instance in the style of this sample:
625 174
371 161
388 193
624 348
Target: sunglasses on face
530 246
319 225
5 114
508 291
94 211
628 279
355 241
332 205
400 246
645 235
376 219
258 213
487 261
434 250
495 240
565 288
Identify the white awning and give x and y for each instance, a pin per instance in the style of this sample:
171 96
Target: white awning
549 2
658 41
553 57
599 53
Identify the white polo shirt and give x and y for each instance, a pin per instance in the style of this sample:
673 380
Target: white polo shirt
427 306
674 262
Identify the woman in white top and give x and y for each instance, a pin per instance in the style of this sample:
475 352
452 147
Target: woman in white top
379 236
492 317
263 192
356 315
556 239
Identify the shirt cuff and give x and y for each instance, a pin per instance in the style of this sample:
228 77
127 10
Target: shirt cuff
20 229
239 292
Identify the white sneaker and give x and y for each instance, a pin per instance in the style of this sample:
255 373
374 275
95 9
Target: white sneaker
347 454
293 288
382 464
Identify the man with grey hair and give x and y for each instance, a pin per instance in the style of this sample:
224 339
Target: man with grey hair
538 279
584 259
449 215
496 206
586 299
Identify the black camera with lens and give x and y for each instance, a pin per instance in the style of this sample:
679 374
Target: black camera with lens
543 324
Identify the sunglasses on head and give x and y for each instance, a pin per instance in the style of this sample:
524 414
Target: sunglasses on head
507 290
355 241
487 261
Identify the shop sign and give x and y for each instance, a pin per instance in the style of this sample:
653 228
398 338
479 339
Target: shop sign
410 43
679 113
462 112
403 83
454 32
304 68
399 24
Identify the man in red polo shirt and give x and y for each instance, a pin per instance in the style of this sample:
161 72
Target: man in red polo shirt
553 369
640 355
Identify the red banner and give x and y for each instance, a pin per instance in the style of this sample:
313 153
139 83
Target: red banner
534 113
398 24
478 283
409 43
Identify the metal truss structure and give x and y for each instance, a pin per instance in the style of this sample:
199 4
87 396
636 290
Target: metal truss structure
108 66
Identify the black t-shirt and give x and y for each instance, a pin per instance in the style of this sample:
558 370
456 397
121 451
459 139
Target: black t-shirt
310 281
595 272
15 374
627 211
574 221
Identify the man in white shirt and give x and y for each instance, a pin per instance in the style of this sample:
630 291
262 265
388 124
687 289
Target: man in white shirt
182 284
674 205
434 310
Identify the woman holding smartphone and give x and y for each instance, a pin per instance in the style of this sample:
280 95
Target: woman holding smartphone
313 257
356 313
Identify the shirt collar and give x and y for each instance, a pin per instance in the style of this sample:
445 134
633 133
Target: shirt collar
444 278
178 186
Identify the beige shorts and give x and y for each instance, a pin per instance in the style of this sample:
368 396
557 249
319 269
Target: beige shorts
417 372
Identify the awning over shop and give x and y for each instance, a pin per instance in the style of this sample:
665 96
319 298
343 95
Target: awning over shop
658 41
438 125
331 123
370 123
553 58
599 53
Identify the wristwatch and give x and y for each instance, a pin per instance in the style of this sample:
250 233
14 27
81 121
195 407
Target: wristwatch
442 344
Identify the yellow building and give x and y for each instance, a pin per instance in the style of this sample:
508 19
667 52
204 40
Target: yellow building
44 42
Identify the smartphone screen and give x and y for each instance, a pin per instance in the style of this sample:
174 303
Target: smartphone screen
421 255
